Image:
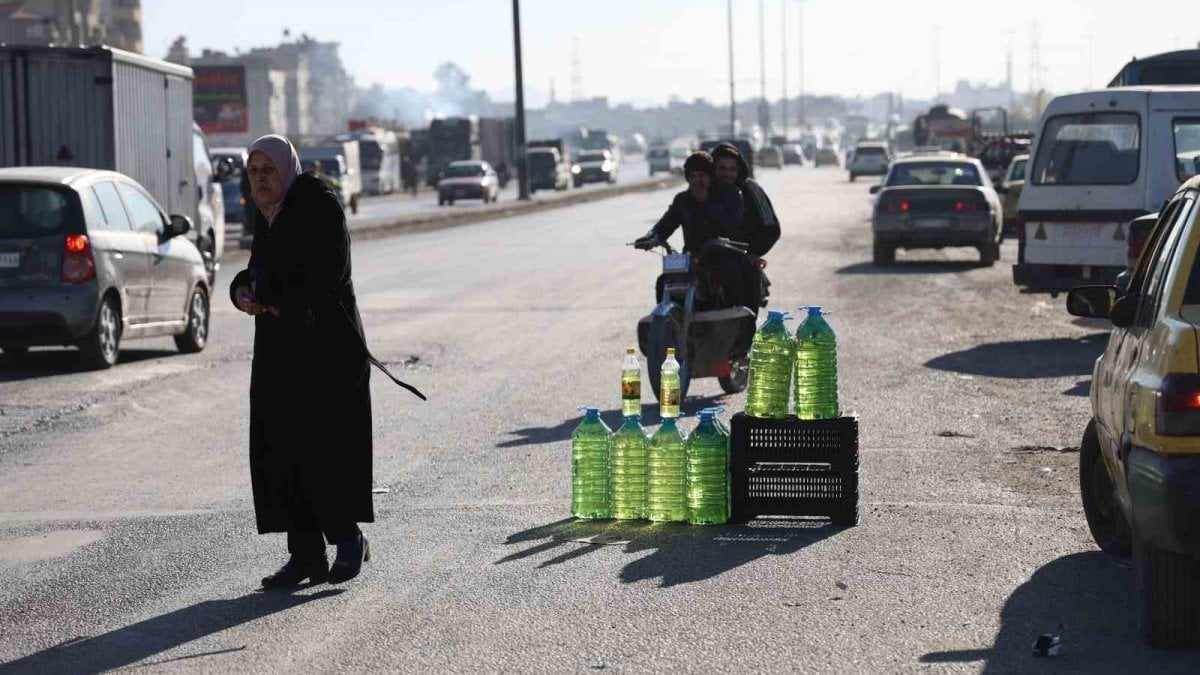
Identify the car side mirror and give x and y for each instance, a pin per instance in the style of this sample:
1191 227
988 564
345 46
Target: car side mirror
875 189
1092 302
179 226
1124 310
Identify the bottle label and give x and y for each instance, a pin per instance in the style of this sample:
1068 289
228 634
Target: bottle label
632 390
670 398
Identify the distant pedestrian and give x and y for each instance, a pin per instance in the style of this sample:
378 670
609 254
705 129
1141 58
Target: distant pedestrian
310 397
408 174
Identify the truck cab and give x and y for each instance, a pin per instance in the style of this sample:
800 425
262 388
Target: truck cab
1100 160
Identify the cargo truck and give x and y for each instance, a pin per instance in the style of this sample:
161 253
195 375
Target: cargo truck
498 146
339 162
451 140
103 108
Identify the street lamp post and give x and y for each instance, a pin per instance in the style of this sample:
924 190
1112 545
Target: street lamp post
732 100
522 163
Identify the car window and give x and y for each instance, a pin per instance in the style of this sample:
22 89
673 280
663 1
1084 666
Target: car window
1187 147
111 208
146 217
1018 170
1152 298
200 154
933 173
1089 149
33 211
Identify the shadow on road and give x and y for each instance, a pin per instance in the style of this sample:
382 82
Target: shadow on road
1027 359
133 643
562 432
50 362
1081 388
680 553
1091 596
912 267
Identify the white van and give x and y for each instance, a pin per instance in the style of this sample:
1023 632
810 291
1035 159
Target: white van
1101 159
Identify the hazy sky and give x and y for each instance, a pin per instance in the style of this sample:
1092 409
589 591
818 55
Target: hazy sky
647 50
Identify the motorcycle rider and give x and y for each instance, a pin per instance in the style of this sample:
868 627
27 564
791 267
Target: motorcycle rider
759 226
705 211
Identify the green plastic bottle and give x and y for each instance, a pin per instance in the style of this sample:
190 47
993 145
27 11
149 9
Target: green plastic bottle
772 359
631 384
627 450
816 369
589 467
666 488
708 471
669 386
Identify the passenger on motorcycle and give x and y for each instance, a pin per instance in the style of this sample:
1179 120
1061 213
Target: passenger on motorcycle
759 227
707 210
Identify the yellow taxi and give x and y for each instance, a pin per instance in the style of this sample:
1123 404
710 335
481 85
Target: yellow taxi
1139 464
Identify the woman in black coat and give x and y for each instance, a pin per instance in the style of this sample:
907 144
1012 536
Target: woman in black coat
310 398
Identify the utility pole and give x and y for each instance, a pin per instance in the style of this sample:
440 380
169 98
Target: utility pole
783 27
803 116
732 100
522 168
937 62
764 108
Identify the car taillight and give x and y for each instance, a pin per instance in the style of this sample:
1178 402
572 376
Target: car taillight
1178 406
969 206
78 265
893 206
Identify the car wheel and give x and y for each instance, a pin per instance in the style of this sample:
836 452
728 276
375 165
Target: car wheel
852 177
1168 589
450 202
739 375
988 254
883 254
102 344
441 202
1104 517
195 336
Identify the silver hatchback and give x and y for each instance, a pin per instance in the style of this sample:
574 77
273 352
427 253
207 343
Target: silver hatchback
87 258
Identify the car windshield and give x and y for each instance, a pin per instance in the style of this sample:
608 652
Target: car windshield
371 155
679 153
658 152
591 157
464 171
1187 148
1089 149
869 152
541 160
30 211
933 173
1018 170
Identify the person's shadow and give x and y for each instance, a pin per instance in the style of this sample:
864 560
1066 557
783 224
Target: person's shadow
133 643
1088 599
682 553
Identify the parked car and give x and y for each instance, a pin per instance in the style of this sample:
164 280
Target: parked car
935 202
793 154
594 166
234 159
548 170
771 156
869 159
1139 461
1010 189
825 157
88 258
468 179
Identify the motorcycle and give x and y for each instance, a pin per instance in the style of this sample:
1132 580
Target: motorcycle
709 340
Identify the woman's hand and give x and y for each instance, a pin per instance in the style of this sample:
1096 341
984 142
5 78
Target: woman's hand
247 303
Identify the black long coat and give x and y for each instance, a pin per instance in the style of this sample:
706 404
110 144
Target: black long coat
310 398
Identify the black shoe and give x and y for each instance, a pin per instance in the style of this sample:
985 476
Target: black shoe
350 558
296 570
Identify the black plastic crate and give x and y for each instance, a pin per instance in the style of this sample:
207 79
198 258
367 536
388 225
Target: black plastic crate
794 467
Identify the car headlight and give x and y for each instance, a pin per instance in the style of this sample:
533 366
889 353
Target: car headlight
606 167
576 169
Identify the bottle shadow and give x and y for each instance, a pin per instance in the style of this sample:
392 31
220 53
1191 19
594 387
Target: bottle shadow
680 553
562 432
133 643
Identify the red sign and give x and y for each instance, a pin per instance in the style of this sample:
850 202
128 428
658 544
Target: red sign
219 99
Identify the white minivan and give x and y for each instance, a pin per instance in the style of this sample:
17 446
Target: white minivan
1100 160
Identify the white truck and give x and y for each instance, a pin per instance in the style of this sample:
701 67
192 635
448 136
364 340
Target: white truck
103 108
1100 160
339 161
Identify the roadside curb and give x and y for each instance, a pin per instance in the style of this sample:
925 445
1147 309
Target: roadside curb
438 221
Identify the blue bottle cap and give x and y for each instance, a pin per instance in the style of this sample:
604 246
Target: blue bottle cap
590 412
774 315
710 413
813 310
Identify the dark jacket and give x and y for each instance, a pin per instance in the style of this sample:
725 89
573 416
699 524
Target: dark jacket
760 225
310 398
720 216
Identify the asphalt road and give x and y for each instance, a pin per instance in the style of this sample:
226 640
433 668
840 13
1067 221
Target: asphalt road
126 525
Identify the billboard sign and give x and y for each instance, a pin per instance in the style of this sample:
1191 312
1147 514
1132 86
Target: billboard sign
219 96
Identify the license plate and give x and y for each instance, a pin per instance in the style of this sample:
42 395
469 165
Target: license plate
10 260
930 222
1079 233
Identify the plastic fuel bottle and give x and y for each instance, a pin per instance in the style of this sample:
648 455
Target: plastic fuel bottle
668 386
772 359
708 471
816 368
589 467
666 500
631 384
627 450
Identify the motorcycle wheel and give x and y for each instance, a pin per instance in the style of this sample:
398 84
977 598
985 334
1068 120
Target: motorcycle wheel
739 376
667 331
